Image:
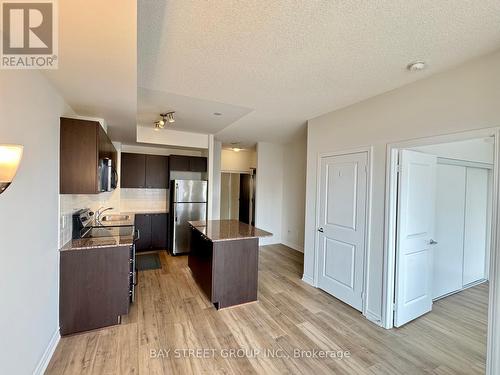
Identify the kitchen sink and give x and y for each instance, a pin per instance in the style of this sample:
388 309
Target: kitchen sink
109 232
109 218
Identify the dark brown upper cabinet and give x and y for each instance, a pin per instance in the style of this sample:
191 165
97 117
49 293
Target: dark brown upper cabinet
156 171
82 144
198 164
144 171
188 163
179 163
133 170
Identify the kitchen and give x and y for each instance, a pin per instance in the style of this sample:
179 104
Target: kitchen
256 81
123 207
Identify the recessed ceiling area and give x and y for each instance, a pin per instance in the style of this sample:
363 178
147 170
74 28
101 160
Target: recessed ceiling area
191 114
293 63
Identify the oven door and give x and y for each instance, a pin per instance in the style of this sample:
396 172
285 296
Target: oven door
133 269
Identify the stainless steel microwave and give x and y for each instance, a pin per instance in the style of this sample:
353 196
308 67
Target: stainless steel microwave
108 176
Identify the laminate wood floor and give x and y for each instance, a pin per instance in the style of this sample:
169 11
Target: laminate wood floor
172 314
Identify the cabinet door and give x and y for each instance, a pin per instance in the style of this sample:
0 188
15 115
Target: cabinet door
179 163
79 156
200 261
94 288
133 170
159 231
197 164
143 224
156 171
476 209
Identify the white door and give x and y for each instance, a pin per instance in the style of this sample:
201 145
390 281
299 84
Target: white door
415 233
343 195
450 214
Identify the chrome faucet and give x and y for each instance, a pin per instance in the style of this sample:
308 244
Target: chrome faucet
99 213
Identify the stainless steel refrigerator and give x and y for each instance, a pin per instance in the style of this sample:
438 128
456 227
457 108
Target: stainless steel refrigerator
188 202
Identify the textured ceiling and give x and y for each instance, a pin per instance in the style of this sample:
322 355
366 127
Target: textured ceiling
293 60
97 72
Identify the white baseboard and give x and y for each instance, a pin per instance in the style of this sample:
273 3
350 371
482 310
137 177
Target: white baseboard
294 246
47 355
308 280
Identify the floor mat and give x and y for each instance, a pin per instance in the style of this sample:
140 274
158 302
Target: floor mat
147 262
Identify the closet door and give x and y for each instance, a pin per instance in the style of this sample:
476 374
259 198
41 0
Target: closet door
450 211
476 208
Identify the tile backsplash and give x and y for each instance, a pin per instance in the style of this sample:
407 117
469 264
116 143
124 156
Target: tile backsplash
135 200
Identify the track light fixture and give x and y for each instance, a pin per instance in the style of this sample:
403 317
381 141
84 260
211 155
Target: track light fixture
168 117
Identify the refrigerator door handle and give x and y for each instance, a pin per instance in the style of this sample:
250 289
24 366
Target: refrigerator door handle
174 230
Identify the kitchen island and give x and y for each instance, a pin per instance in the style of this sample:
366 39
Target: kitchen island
224 260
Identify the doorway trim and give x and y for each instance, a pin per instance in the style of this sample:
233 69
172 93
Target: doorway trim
493 346
320 156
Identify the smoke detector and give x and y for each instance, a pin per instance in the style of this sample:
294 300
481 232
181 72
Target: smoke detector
416 66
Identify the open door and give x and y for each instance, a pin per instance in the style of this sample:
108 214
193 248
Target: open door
415 233
245 197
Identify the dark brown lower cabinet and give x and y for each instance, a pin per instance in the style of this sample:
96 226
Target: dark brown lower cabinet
159 228
143 225
153 231
94 288
226 271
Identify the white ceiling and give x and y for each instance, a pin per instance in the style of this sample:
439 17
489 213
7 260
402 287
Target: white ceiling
97 72
191 114
292 61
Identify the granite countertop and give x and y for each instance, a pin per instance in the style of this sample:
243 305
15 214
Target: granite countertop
226 230
97 243
137 212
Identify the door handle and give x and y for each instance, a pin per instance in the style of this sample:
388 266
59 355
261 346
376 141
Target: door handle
432 242
320 230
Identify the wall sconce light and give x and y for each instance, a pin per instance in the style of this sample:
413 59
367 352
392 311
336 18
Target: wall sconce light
10 157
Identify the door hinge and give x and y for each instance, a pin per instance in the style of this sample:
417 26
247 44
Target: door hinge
398 168
393 307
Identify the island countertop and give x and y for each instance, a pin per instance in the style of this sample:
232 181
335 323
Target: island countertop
227 230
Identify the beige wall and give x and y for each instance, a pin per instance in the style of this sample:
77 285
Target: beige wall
461 99
29 217
269 190
241 161
294 192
